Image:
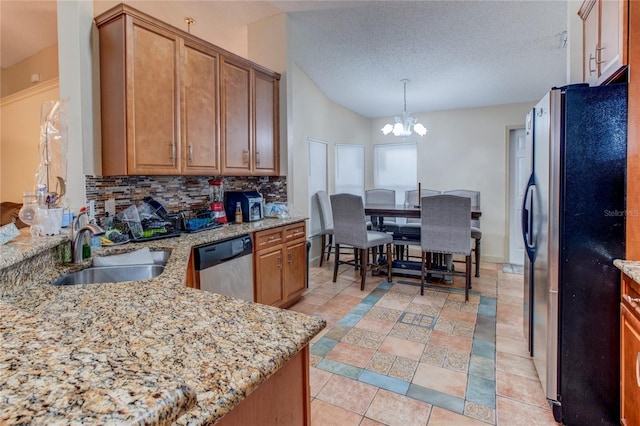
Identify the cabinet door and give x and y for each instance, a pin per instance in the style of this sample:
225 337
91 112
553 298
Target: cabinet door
296 281
269 276
236 118
200 123
612 27
267 157
152 98
630 366
590 41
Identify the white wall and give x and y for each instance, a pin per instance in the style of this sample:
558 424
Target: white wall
467 149
20 136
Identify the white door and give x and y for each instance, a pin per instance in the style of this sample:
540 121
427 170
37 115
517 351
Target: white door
518 172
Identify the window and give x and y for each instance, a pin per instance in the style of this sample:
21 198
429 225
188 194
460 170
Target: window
395 166
350 169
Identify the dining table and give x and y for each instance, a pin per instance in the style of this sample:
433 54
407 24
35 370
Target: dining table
399 210
379 211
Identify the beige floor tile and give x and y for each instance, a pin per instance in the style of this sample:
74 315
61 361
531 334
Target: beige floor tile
317 379
347 393
374 324
441 379
514 364
401 347
351 354
324 414
513 300
520 389
441 417
316 298
511 346
393 409
369 422
454 314
514 413
510 330
396 301
450 341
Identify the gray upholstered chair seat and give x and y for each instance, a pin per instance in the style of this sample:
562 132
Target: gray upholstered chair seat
476 233
326 223
446 229
375 238
350 228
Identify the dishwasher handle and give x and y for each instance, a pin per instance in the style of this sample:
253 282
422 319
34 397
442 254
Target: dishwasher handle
210 255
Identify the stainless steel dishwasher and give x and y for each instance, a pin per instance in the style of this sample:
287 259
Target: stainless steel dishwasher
226 267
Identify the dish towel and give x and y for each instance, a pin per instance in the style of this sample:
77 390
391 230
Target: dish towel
142 256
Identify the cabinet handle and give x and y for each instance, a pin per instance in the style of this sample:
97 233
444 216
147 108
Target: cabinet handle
290 260
631 299
272 237
257 157
245 156
638 369
280 262
173 153
190 153
591 58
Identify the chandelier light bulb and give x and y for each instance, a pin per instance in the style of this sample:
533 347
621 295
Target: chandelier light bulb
403 125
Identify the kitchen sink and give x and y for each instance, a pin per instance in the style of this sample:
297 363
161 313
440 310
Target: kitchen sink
110 274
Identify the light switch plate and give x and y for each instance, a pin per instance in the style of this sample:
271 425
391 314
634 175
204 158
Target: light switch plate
110 207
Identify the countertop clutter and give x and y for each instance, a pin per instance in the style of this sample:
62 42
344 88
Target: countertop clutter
151 351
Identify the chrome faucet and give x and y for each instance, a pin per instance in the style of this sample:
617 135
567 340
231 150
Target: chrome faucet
78 234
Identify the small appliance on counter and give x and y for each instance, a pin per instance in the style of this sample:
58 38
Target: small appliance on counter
216 194
250 203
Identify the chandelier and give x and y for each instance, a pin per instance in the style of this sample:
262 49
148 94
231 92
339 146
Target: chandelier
405 123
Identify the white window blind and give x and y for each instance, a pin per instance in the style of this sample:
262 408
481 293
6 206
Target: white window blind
395 166
349 169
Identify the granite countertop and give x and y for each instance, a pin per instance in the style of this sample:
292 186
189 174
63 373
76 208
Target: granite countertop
629 267
144 352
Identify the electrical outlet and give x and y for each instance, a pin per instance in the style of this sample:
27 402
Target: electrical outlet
110 207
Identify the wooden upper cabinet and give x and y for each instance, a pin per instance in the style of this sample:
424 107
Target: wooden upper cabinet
236 118
200 131
173 104
250 137
267 153
139 98
605 36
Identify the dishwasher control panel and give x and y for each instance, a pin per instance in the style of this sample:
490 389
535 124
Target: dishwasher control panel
208 255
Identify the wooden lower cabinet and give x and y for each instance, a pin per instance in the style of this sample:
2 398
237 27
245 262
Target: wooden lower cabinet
283 399
280 264
630 353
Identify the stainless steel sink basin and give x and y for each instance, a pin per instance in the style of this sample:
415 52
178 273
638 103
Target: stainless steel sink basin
110 274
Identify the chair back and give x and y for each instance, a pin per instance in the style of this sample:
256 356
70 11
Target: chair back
349 224
411 196
380 196
324 207
474 196
445 224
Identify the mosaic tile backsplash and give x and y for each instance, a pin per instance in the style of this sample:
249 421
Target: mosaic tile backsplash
176 193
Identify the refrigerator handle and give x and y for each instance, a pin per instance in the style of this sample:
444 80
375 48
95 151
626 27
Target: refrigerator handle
527 218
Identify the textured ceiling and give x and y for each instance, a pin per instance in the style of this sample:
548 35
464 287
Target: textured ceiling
457 54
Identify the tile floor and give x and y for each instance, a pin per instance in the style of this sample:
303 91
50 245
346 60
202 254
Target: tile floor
389 356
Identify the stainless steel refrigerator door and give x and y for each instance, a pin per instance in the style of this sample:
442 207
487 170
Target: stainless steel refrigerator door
556 126
527 235
540 283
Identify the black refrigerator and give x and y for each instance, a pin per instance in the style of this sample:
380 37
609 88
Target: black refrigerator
573 228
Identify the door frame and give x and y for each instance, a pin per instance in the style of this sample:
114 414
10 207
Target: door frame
508 198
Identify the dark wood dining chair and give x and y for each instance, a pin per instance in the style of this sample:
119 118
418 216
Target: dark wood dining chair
350 228
445 229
